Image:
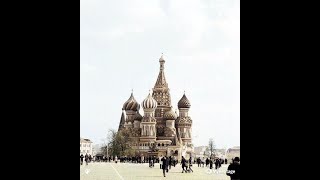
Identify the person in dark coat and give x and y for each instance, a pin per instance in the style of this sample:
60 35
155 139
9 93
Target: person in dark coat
170 162
184 164
153 161
90 158
207 162
216 163
164 166
81 159
211 163
167 159
150 164
86 158
190 164
226 161
234 169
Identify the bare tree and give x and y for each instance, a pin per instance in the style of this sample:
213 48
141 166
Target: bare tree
211 147
118 144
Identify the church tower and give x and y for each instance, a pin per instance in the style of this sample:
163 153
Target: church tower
161 93
184 122
148 122
131 107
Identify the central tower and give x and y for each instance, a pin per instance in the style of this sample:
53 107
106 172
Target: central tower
161 93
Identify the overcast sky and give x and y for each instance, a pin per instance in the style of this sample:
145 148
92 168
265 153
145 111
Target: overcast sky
121 43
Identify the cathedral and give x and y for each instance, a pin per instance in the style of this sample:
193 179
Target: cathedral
160 131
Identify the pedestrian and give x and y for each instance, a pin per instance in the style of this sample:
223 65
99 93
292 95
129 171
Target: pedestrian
207 162
216 163
170 161
86 158
184 164
90 158
81 159
153 160
190 164
150 164
234 169
164 165
161 162
211 163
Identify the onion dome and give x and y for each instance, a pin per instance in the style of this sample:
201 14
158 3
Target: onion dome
184 102
170 115
149 103
131 104
137 117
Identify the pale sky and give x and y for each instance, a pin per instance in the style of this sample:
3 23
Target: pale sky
120 46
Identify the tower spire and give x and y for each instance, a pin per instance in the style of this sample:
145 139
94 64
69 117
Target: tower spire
161 90
161 81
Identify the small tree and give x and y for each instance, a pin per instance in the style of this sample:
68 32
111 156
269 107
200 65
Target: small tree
211 148
118 144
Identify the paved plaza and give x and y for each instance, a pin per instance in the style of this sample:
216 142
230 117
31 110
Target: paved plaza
128 171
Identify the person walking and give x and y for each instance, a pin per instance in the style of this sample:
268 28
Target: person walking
170 162
211 163
86 158
184 164
81 159
164 165
216 164
234 169
150 164
190 164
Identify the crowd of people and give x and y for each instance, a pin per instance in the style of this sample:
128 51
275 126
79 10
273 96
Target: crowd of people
87 158
216 161
166 163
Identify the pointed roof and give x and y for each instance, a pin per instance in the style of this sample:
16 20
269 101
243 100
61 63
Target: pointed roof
161 81
149 102
184 102
131 104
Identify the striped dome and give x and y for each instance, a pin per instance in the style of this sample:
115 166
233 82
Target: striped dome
170 115
131 104
149 103
184 102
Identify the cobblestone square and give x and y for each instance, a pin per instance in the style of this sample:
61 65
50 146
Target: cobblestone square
129 171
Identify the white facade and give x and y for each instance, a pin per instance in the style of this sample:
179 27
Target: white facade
233 152
85 147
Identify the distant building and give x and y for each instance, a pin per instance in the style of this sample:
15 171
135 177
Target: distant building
85 146
233 152
202 151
